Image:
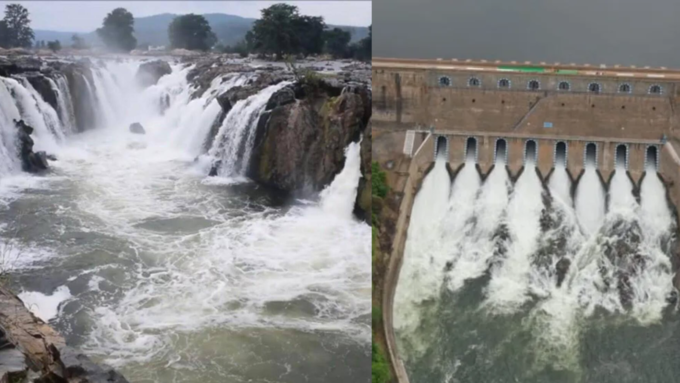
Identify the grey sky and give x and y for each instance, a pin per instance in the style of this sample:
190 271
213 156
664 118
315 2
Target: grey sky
625 32
86 16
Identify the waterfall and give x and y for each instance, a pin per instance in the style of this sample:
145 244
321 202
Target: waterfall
9 158
536 253
620 191
66 113
590 200
234 141
30 107
510 277
560 185
338 198
168 111
480 242
421 273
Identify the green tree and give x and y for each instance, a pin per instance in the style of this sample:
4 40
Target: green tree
336 42
16 27
191 32
309 35
117 29
365 51
78 42
54 45
4 35
274 32
281 30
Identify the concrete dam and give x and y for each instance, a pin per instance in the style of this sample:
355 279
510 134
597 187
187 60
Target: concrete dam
535 201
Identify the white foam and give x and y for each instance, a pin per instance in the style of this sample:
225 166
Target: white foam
44 306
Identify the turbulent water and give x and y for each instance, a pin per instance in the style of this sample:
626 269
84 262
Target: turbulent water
518 283
128 249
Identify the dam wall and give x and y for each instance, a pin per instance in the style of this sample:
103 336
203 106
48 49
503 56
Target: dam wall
575 114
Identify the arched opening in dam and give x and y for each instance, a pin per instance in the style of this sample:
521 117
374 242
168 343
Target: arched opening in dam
621 157
441 149
471 149
559 182
651 158
501 151
530 152
590 155
560 154
530 279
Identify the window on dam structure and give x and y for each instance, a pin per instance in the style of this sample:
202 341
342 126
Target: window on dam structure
564 86
561 154
471 149
501 152
624 88
440 150
530 152
594 87
533 85
591 155
504 83
655 89
444 81
651 159
621 160
474 81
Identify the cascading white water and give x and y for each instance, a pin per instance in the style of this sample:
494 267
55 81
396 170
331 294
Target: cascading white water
560 185
556 266
9 158
234 141
137 233
339 197
478 245
590 200
455 225
510 279
621 192
29 106
421 273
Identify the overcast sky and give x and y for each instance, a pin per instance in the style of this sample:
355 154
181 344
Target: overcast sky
86 16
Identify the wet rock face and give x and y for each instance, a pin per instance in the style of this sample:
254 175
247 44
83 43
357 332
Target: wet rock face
79 368
21 64
43 86
300 141
150 72
137 128
32 351
83 100
30 162
362 208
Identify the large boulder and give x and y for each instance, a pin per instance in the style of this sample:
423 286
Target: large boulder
299 146
137 128
30 162
150 72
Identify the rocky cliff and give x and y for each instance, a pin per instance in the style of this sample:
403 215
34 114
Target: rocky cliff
32 352
301 137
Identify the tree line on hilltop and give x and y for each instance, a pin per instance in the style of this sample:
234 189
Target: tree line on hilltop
280 31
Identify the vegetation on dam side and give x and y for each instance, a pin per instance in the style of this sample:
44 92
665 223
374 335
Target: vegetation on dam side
380 367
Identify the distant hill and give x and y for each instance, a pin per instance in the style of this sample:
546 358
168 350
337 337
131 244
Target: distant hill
153 30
